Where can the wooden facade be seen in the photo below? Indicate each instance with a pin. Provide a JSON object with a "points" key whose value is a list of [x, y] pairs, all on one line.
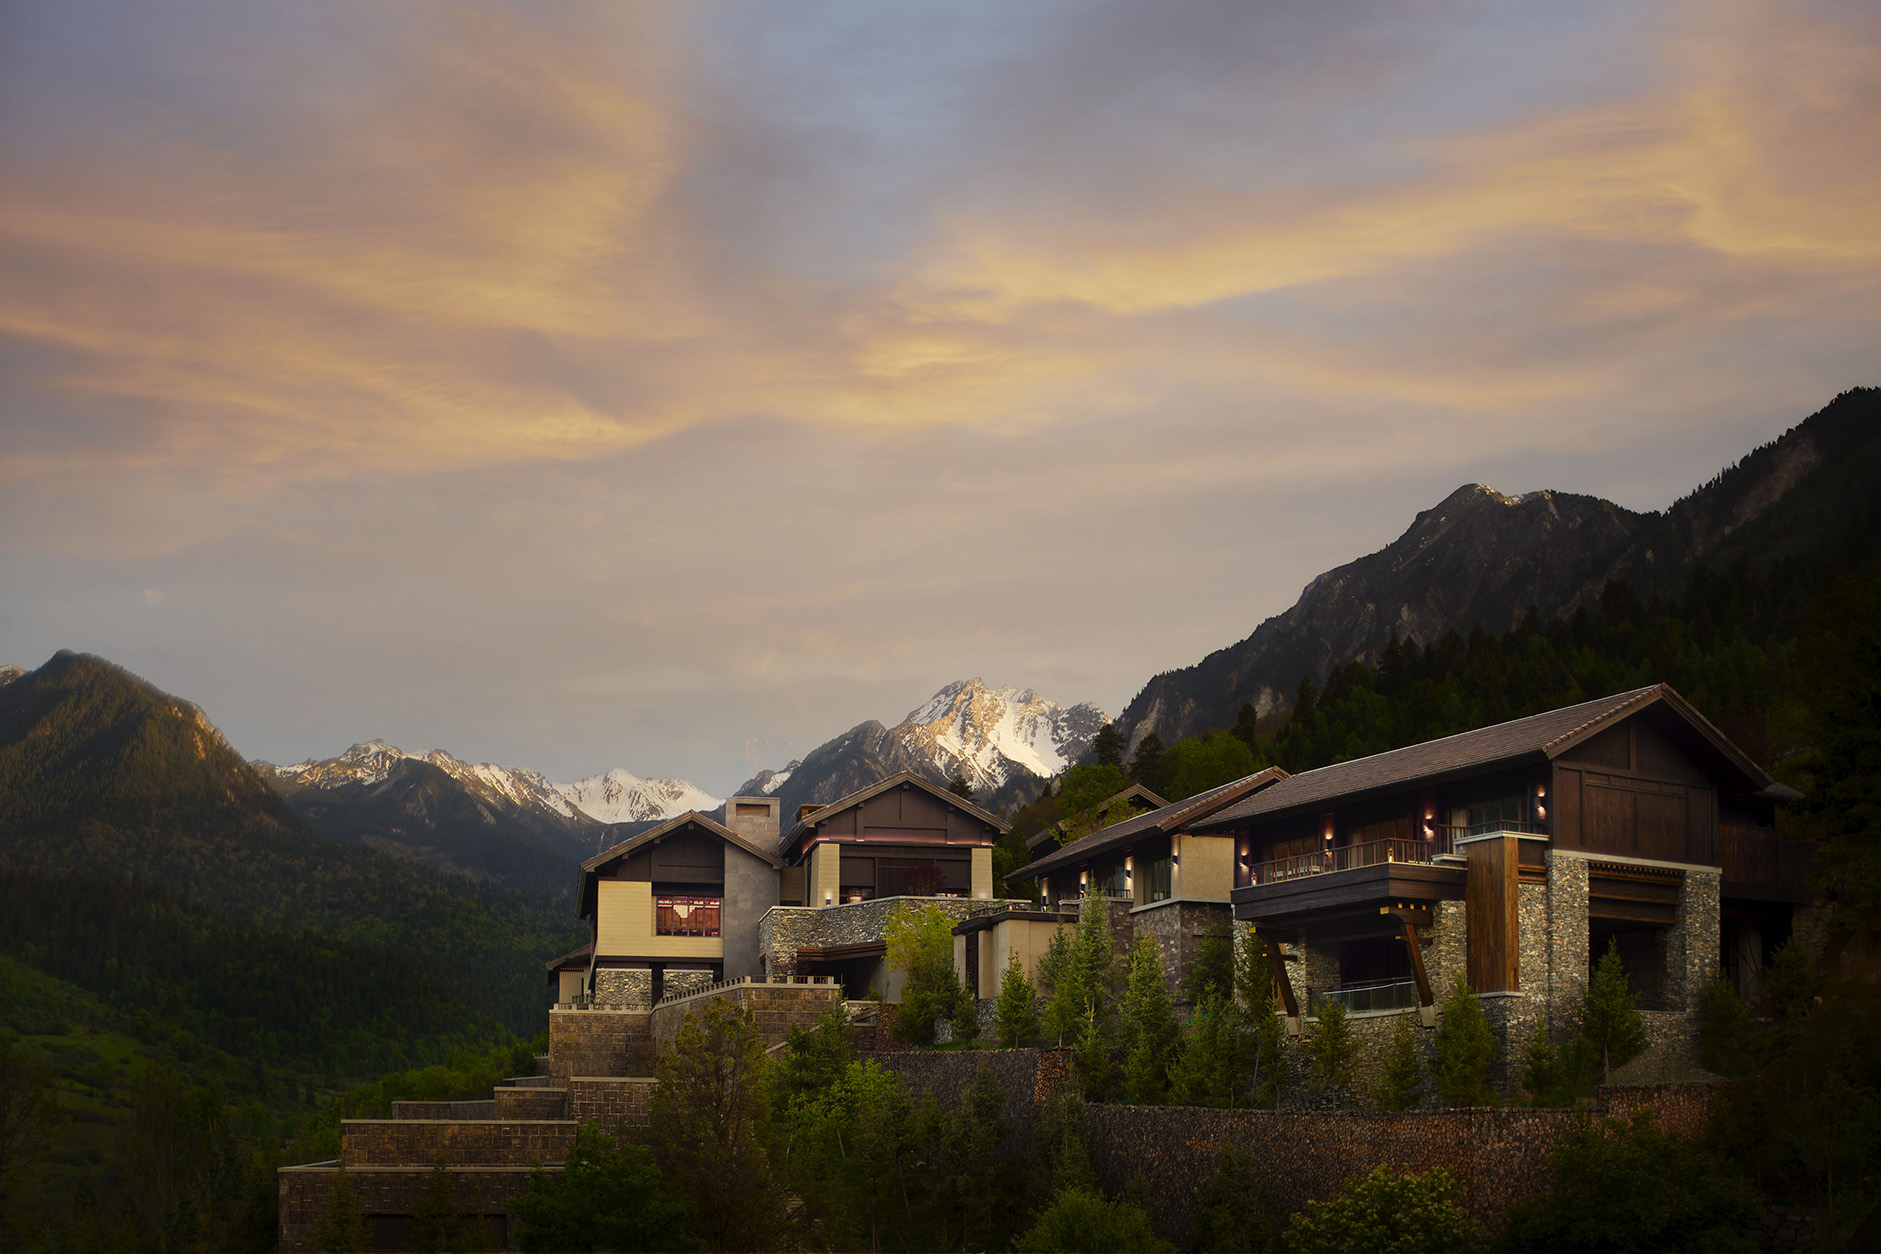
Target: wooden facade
{"points": [[1638, 786]]}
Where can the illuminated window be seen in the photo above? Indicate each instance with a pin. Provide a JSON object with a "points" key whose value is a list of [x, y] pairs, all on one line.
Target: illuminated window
{"points": [[685, 916]]}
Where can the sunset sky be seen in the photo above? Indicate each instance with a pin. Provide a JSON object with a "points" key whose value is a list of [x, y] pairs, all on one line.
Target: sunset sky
{"points": [[673, 387]]}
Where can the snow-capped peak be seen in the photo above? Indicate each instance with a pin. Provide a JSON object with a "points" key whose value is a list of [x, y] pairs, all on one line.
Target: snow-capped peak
{"points": [[620, 796], [989, 734], [616, 797]]}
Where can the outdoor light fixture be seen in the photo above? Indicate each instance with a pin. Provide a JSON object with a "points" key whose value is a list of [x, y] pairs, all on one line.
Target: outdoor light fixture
{"points": [[827, 897]]}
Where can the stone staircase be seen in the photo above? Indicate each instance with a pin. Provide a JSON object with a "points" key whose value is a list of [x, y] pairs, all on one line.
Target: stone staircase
{"points": [[599, 1070]]}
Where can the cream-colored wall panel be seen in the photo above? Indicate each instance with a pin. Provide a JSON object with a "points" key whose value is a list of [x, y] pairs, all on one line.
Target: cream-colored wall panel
{"points": [[982, 872], [1207, 867], [624, 926]]}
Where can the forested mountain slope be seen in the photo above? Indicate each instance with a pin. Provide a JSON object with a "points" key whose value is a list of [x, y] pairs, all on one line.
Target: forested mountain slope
{"points": [[1480, 558], [102, 774]]}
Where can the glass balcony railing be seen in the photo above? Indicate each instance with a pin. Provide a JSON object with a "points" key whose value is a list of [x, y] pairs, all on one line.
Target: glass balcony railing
{"points": [[1401, 995]]}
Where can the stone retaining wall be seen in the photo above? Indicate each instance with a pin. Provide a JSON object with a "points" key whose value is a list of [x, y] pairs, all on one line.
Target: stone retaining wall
{"points": [[443, 1110], [615, 1104], [775, 1008], [1499, 1156], [387, 1191], [599, 1042], [421, 1142], [529, 1103]]}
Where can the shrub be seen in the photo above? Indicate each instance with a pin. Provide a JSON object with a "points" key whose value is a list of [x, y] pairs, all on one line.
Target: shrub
{"points": [[1234, 1218], [1727, 1034], [1465, 1048], [1627, 1187], [1084, 1222], [920, 944], [1385, 1213], [606, 1197]]}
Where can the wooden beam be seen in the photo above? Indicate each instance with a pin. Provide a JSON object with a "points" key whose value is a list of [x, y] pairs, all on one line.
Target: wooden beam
{"points": [[1424, 995], [1282, 984]]}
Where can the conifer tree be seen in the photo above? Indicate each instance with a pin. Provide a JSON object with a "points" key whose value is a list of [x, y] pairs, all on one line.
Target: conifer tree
{"points": [[1610, 1021], [1465, 1048], [1152, 1038], [1058, 970], [1332, 1048], [1016, 1017], [341, 1228], [1090, 1059], [1217, 1063], [1402, 1071]]}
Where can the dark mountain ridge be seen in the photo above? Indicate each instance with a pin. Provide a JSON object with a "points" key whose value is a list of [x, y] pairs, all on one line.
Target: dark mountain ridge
{"points": [[1481, 558]]}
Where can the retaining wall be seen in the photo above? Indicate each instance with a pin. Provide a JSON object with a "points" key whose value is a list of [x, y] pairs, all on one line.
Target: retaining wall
{"points": [[389, 1191], [1498, 1156], [599, 1042], [775, 1008], [615, 1104], [421, 1142]]}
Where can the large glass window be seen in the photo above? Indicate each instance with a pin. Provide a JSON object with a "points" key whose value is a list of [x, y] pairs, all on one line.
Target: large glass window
{"points": [[1159, 880], [1499, 814], [685, 916]]}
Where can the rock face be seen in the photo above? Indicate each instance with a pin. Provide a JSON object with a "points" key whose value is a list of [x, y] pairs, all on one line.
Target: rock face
{"points": [[993, 736], [1480, 557], [841, 765], [1006, 742], [1477, 557]]}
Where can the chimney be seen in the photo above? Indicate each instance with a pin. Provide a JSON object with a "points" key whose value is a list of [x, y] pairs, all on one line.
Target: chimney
{"points": [[755, 818]]}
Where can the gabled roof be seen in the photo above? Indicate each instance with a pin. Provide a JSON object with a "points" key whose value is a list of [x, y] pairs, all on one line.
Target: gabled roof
{"points": [[1170, 818], [652, 835], [1540, 736], [556, 964], [954, 799], [1135, 792]]}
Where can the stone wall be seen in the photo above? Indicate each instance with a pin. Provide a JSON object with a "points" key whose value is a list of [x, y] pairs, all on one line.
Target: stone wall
{"points": [[623, 988], [615, 1104], [1178, 928], [785, 929], [420, 1142], [776, 1008], [443, 1110], [599, 1042], [1499, 1156], [387, 1191], [529, 1103]]}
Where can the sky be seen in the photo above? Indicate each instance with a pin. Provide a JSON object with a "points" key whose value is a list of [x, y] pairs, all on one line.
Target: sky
{"points": [[673, 387]]}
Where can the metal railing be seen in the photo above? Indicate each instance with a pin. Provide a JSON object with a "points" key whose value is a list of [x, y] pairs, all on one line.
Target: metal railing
{"points": [[1399, 995], [1350, 857], [1515, 826]]}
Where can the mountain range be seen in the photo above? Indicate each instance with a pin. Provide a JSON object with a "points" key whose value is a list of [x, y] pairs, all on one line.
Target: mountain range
{"points": [[1481, 558]]}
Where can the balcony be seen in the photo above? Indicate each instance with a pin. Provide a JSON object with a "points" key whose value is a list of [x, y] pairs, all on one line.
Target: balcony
{"points": [[1351, 857], [1368, 998]]}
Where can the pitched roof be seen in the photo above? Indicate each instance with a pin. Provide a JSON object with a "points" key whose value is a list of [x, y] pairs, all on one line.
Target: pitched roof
{"points": [[674, 824], [954, 799], [1548, 734], [1135, 792], [585, 903], [1169, 818]]}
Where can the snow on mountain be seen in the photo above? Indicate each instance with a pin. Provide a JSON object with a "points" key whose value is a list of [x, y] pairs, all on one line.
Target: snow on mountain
{"points": [[623, 797], [616, 797], [767, 782], [990, 735]]}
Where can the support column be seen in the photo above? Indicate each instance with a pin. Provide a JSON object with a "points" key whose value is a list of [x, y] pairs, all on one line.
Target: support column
{"points": [[1490, 901]]}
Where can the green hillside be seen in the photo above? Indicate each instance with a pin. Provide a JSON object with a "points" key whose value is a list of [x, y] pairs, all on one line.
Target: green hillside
{"points": [[102, 775]]}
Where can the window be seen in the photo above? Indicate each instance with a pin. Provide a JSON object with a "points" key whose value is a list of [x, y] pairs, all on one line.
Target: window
{"points": [[1491, 816], [685, 916], [1159, 880]]}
